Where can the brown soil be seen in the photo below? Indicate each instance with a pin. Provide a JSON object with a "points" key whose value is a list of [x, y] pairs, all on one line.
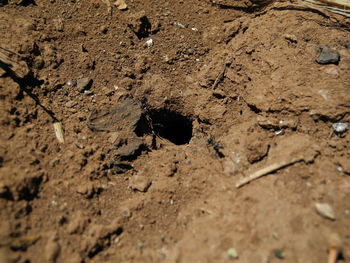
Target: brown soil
{"points": [[158, 138]]}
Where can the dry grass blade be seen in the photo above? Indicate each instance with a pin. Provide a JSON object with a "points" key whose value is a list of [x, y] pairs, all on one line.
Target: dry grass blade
{"points": [[341, 7]]}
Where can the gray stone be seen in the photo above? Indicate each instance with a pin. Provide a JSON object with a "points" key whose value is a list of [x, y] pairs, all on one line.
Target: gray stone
{"points": [[328, 56], [83, 84]]}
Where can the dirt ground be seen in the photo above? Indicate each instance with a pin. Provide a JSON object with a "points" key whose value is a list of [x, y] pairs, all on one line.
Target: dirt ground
{"points": [[166, 106]]}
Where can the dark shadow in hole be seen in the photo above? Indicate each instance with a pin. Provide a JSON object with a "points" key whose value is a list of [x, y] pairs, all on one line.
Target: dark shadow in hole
{"points": [[171, 126], [4, 2], [249, 10], [27, 2], [167, 124]]}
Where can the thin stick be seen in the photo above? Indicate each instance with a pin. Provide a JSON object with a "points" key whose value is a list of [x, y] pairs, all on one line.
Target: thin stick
{"points": [[219, 78], [6, 64], [266, 170], [333, 255]]}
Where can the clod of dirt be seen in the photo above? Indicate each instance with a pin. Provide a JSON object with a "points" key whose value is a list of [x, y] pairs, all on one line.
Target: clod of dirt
{"points": [[100, 237], [52, 250], [139, 183], [20, 186], [130, 148], [328, 56], [78, 224], [277, 124], [257, 150], [84, 84], [20, 243], [8, 256], [142, 26], [88, 190]]}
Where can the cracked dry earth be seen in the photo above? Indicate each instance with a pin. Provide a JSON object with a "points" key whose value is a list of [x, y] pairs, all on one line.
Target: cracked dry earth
{"points": [[158, 135]]}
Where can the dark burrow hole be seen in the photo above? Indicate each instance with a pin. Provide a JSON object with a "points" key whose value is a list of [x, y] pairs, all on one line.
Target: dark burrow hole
{"points": [[167, 124]]}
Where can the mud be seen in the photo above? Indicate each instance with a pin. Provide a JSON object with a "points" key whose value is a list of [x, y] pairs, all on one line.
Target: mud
{"points": [[158, 135]]}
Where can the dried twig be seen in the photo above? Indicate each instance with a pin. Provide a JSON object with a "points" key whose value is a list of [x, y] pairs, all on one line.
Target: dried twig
{"points": [[266, 170], [335, 247], [19, 72], [219, 78]]}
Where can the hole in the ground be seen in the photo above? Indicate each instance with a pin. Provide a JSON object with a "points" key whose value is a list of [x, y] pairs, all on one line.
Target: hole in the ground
{"points": [[166, 124]]}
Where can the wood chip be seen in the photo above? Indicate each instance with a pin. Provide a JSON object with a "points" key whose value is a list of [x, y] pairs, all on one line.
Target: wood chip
{"points": [[59, 131]]}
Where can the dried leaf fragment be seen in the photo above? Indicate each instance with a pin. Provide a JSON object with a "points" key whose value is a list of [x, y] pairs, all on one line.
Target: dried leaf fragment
{"points": [[59, 131]]}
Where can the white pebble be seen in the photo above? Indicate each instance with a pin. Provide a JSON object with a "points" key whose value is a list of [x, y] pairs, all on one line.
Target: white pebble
{"points": [[149, 43], [340, 127]]}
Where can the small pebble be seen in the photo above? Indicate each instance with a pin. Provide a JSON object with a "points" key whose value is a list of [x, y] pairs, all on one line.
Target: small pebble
{"points": [[291, 38], [325, 210], [328, 56], [180, 25], [278, 253], [71, 82], [149, 43], [83, 84], [232, 253], [340, 127], [280, 132]]}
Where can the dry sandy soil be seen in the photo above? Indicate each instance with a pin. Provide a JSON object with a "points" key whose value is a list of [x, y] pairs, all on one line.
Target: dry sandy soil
{"points": [[158, 135]]}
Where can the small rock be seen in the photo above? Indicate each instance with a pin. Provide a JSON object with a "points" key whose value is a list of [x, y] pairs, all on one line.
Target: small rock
{"points": [[180, 25], [88, 190], [232, 253], [103, 29], [328, 56], [84, 84], [325, 210], [139, 183], [71, 104], [279, 132], [121, 5], [126, 213], [340, 127], [78, 224], [291, 38], [278, 253], [149, 43], [332, 70], [71, 82]]}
